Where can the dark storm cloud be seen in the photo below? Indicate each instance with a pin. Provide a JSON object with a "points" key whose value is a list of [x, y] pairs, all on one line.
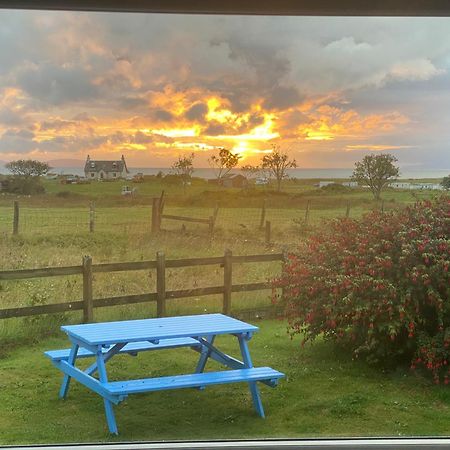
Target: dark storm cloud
{"points": [[132, 102], [281, 97], [196, 112], [11, 118], [21, 141], [142, 138], [83, 117], [161, 115], [56, 124], [72, 143], [57, 85], [255, 120], [214, 129]]}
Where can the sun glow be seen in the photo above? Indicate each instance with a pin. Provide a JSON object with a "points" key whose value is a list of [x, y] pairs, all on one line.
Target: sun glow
{"points": [[177, 132]]}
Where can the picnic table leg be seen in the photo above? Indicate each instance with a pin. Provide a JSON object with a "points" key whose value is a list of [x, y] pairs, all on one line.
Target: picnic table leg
{"points": [[66, 380], [205, 353], [257, 403], [110, 418]]}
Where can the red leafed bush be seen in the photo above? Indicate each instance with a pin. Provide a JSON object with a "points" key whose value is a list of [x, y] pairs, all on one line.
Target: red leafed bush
{"points": [[379, 285]]}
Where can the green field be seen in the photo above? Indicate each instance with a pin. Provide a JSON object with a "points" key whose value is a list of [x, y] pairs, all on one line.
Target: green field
{"points": [[65, 208], [325, 393]]}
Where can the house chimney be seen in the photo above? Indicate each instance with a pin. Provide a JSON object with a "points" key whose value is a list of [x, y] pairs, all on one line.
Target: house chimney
{"points": [[88, 158]]}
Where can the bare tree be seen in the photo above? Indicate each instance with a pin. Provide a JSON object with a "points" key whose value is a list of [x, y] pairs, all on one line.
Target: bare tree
{"points": [[224, 162], [376, 171], [276, 163], [184, 168]]}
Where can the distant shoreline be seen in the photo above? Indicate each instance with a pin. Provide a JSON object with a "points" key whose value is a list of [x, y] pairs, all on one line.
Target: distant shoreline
{"points": [[299, 173]]}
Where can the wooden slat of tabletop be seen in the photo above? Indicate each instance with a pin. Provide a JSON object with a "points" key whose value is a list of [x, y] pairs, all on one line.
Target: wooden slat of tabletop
{"points": [[155, 329]]}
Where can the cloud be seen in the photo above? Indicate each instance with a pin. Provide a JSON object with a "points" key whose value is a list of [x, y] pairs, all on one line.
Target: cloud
{"points": [[82, 81], [196, 112], [20, 141], [56, 85], [418, 69], [10, 117], [376, 147]]}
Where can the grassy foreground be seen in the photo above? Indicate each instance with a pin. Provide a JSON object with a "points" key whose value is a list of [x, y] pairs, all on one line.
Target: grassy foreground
{"points": [[324, 393]]}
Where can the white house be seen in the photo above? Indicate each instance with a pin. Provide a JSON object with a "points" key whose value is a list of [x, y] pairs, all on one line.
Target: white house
{"points": [[400, 185], [105, 170], [350, 184], [325, 183], [430, 186]]}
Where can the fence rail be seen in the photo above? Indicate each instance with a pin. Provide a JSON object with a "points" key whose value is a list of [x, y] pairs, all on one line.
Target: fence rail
{"points": [[87, 269]]}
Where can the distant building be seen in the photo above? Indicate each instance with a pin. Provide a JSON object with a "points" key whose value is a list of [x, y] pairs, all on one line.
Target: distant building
{"points": [[350, 184], [400, 185], [325, 183], [261, 181], [105, 170], [230, 180], [430, 186], [233, 180]]}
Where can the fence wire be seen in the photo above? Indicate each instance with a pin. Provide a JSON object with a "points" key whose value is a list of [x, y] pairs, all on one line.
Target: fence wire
{"points": [[137, 219]]}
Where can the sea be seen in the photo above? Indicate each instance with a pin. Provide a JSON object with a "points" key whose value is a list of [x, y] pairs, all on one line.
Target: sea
{"points": [[300, 173]]}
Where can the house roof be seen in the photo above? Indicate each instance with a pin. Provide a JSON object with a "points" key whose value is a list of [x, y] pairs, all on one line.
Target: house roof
{"points": [[230, 176], [106, 166]]}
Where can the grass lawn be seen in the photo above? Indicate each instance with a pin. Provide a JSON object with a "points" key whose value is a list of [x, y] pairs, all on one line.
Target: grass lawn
{"points": [[324, 393]]}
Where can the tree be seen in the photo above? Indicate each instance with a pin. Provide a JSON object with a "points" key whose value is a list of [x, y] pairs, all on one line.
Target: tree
{"points": [[224, 162], [446, 183], [27, 167], [376, 171], [184, 168], [277, 163], [251, 171]]}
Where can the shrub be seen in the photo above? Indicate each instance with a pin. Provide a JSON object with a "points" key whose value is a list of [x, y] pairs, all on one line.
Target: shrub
{"points": [[378, 285], [336, 188], [24, 185]]}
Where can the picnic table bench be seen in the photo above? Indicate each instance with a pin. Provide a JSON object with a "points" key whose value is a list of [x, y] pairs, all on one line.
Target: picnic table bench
{"points": [[104, 340]]}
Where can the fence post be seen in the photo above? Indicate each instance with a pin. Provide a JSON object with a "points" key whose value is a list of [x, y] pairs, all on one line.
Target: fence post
{"points": [[227, 281], [263, 215], [16, 218], [162, 202], [88, 307], [284, 260], [160, 284], [267, 232], [156, 216], [211, 226], [307, 212], [382, 206], [215, 213], [91, 217], [347, 211]]}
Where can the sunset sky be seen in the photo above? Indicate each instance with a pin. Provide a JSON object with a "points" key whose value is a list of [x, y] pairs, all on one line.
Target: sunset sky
{"points": [[153, 87]]}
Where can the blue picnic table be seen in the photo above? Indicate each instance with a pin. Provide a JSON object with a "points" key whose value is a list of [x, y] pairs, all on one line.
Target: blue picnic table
{"points": [[104, 340]]}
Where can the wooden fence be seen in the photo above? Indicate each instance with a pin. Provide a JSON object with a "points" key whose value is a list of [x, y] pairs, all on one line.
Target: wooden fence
{"points": [[87, 269]]}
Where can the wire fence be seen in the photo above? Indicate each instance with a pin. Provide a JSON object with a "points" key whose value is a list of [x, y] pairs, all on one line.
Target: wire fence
{"points": [[138, 219]]}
